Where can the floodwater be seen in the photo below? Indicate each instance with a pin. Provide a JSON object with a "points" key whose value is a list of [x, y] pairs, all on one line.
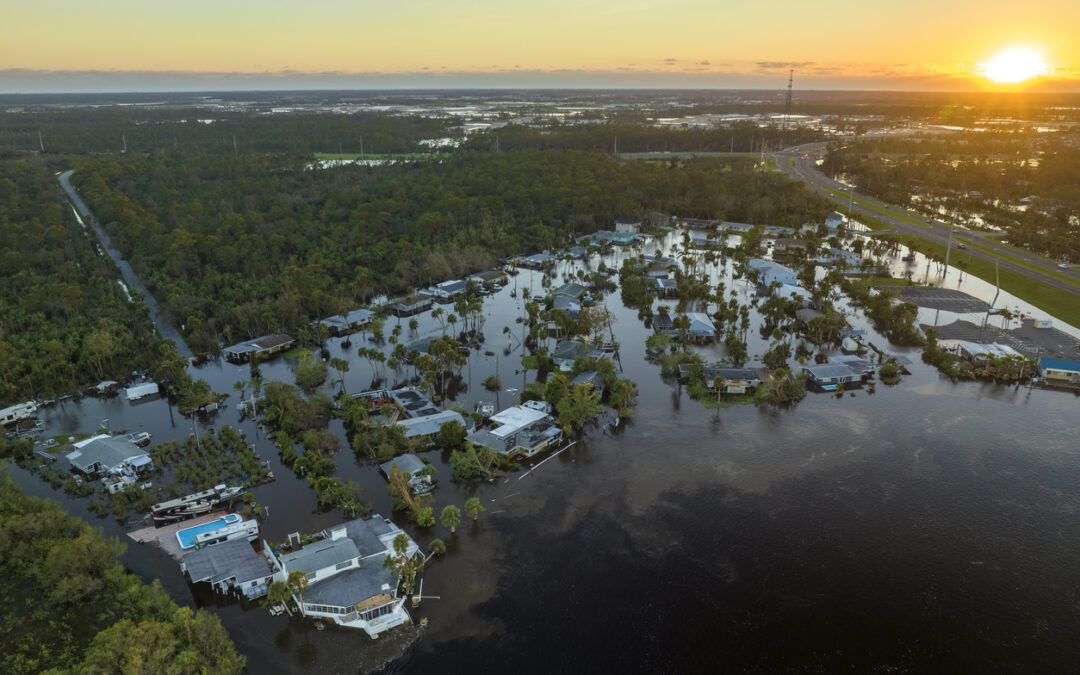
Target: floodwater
{"points": [[927, 526]]}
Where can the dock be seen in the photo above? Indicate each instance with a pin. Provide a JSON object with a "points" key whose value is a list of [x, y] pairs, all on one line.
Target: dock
{"points": [[165, 536]]}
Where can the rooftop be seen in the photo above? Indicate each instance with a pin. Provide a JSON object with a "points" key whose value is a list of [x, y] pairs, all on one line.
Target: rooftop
{"points": [[353, 586], [109, 452], [512, 419], [409, 463], [320, 555], [233, 559]]}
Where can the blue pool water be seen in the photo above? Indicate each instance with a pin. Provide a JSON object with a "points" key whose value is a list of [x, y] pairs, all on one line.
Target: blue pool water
{"points": [[187, 536]]}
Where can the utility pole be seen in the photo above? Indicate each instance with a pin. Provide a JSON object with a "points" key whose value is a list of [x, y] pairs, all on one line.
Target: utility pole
{"points": [[948, 248]]}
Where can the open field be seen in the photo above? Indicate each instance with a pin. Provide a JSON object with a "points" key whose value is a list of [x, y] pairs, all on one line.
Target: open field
{"points": [[1061, 276]]}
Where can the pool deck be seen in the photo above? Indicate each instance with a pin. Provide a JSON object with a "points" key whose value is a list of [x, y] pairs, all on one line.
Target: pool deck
{"points": [[165, 537]]}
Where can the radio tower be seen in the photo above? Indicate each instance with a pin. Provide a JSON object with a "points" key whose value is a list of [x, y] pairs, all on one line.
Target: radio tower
{"points": [[787, 103]]}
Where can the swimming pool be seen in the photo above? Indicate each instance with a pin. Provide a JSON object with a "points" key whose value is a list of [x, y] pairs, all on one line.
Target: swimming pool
{"points": [[186, 537]]}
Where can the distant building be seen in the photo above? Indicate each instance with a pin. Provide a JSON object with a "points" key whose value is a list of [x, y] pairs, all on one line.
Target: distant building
{"points": [[829, 376], [414, 304], [701, 327], [262, 347], [627, 226], [834, 220], [770, 271], [449, 290], [1060, 371]]}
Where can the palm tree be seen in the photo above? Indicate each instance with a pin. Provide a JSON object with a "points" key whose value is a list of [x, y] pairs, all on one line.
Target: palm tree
{"points": [[450, 517], [297, 583], [341, 366], [278, 594], [473, 507]]}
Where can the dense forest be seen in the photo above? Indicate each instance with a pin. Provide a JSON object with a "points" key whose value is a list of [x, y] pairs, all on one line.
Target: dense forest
{"points": [[1025, 183], [88, 131], [234, 247], [69, 605], [66, 321], [741, 136]]}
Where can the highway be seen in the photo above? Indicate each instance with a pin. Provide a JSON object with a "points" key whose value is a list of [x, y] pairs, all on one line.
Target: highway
{"points": [[807, 171]]}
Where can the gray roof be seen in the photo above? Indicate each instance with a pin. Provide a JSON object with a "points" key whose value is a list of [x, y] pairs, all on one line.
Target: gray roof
{"points": [[409, 463], [359, 315], [570, 289], [349, 588], [428, 425], [827, 371], [365, 534], [807, 314], [455, 286], [592, 377], [856, 363], [321, 554], [109, 452], [565, 303], [233, 559], [571, 350], [413, 401]]}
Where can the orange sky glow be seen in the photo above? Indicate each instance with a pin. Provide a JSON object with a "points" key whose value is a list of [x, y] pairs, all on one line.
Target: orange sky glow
{"points": [[920, 45]]}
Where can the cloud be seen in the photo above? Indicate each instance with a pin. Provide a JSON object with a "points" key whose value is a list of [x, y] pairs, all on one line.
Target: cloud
{"points": [[782, 65], [703, 62], [670, 61]]}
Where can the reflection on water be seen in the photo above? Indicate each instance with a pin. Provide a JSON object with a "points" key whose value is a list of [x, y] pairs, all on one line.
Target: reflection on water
{"points": [[928, 526]]}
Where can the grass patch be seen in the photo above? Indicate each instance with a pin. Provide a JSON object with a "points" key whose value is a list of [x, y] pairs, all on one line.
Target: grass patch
{"points": [[877, 208], [1060, 276], [296, 353], [872, 224], [1000, 239], [1051, 300], [791, 162]]}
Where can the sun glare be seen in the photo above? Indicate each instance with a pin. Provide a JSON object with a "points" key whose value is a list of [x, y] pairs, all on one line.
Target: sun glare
{"points": [[1014, 65]]}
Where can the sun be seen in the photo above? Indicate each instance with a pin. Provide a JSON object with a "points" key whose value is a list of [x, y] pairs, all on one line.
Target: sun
{"points": [[1014, 65]]}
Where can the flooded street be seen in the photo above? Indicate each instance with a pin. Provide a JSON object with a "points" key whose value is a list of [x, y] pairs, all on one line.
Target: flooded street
{"points": [[930, 525]]}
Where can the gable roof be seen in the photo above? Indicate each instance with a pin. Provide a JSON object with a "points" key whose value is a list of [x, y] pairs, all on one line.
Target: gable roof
{"points": [[232, 559], [320, 555], [110, 452]]}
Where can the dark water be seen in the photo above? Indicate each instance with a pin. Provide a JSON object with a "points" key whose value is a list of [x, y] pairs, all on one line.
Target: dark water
{"points": [[930, 526]]}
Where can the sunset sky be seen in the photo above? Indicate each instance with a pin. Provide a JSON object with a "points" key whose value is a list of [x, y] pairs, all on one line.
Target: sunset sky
{"points": [[60, 45]]}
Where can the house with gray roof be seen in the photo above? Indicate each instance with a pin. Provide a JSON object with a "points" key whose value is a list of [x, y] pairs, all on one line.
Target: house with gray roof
{"points": [[348, 582], [830, 376], [568, 351], [518, 431], [589, 378], [108, 454], [230, 567], [262, 347]]}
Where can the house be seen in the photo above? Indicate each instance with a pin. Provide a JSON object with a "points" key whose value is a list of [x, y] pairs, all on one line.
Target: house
{"points": [[701, 328], [427, 426], [834, 220], [135, 392], [829, 376], [520, 430], [448, 290], [785, 246], [736, 380], [590, 378], [857, 364], [535, 261], [578, 252], [568, 351], [230, 567], [806, 315], [770, 271], [627, 226], [344, 323], [1060, 371], [107, 454], [665, 287], [566, 304], [260, 347], [347, 581], [615, 238], [485, 276], [413, 304], [407, 463], [571, 289]]}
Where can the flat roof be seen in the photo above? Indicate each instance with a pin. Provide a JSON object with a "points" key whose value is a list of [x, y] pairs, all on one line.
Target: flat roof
{"points": [[513, 419], [428, 425]]}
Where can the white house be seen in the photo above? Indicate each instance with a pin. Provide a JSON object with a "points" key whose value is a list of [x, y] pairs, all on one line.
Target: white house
{"points": [[627, 226], [770, 271]]}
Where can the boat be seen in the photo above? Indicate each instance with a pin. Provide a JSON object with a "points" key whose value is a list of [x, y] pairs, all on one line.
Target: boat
{"points": [[197, 504], [141, 438]]}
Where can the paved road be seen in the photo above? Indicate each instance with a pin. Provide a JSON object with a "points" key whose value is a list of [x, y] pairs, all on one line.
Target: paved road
{"points": [[806, 171], [165, 329]]}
